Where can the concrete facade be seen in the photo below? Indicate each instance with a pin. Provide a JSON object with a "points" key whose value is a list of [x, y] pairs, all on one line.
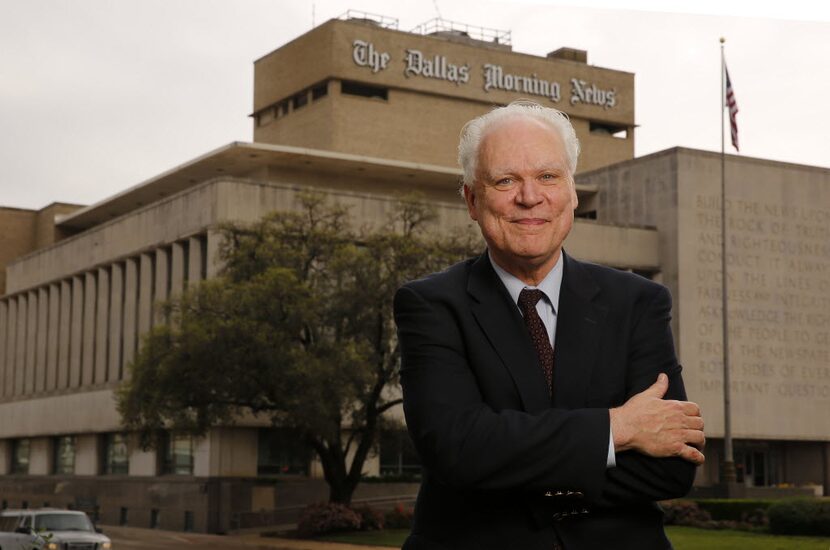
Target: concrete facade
{"points": [[778, 284], [81, 285], [385, 91]]}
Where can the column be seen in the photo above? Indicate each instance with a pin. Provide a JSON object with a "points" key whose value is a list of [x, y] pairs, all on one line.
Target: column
{"points": [[177, 268], [115, 323], [11, 341], [88, 343], [76, 332], [40, 456], [162, 283], [87, 455], [5, 456], [102, 311], [20, 346], [64, 332], [52, 337], [214, 264], [41, 334], [145, 295], [4, 312], [195, 259], [31, 341], [130, 315]]}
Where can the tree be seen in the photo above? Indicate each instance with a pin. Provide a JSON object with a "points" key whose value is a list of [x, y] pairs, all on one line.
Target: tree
{"points": [[297, 326]]}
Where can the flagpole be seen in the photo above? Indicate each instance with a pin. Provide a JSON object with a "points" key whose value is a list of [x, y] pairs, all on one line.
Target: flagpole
{"points": [[728, 471]]}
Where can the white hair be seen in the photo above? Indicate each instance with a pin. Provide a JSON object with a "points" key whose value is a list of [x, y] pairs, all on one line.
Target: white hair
{"points": [[475, 130]]}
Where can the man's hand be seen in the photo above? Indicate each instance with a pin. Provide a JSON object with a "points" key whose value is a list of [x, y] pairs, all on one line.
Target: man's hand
{"points": [[648, 424]]}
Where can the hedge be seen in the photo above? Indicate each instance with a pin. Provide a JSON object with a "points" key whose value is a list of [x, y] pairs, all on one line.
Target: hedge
{"points": [[800, 517], [732, 509]]}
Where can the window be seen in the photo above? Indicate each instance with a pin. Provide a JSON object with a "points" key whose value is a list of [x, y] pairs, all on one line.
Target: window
{"points": [[601, 128], [281, 451], [282, 109], [177, 454], [64, 455], [319, 91], [154, 518], [123, 516], [188, 520], [299, 100], [115, 459], [397, 454], [364, 90], [20, 456]]}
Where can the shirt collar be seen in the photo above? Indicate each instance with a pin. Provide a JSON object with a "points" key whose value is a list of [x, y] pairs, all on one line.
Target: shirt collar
{"points": [[550, 285]]}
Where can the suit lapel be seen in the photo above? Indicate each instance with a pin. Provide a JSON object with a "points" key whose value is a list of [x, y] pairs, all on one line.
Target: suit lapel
{"points": [[501, 322], [578, 326]]}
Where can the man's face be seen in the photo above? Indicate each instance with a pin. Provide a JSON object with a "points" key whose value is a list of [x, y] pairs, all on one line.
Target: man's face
{"points": [[523, 198]]}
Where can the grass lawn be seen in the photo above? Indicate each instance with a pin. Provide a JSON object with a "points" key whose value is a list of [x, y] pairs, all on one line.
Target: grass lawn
{"points": [[689, 538], [683, 538]]}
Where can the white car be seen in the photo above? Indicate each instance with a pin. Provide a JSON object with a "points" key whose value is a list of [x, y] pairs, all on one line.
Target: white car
{"points": [[52, 529]]}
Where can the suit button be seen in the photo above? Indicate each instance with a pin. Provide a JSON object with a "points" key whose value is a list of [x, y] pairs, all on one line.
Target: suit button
{"points": [[559, 493], [578, 494], [548, 494]]}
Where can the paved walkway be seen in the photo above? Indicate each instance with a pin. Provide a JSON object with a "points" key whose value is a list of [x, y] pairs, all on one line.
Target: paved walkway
{"points": [[295, 544], [132, 538]]}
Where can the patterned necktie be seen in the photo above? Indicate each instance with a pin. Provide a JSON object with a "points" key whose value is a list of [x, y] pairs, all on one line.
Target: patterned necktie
{"points": [[538, 333]]}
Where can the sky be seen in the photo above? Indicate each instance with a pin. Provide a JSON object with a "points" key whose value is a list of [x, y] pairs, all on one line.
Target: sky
{"points": [[100, 95]]}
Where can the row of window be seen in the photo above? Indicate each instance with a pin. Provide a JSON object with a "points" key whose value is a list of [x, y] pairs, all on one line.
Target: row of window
{"points": [[279, 452], [175, 455], [314, 93]]}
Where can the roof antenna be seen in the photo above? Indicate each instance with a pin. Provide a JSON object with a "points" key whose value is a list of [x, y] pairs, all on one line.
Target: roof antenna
{"points": [[435, 3]]}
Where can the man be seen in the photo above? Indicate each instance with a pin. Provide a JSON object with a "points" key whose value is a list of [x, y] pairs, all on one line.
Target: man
{"points": [[542, 393]]}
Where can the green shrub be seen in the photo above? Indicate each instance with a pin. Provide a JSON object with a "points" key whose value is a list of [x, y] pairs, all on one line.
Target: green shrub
{"points": [[328, 517], [684, 512], [800, 517], [370, 519], [733, 509], [399, 517]]}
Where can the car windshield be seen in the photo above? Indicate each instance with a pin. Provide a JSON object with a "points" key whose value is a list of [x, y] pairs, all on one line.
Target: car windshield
{"points": [[63, 522]]}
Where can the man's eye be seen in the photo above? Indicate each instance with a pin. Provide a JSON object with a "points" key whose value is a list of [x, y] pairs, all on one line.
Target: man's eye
{"points": [[548, 177], [504, 181]]}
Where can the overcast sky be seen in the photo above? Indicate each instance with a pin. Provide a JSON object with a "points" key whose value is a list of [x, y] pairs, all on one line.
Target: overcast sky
{"points": [[99, 95]]}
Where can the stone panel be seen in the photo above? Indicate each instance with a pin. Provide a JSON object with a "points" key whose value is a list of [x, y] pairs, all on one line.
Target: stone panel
{"points": [[130, 314], [41, 332], [31, 343], [53, 337], [64, 333], [88, 342], [76, 332], [116, 323]]}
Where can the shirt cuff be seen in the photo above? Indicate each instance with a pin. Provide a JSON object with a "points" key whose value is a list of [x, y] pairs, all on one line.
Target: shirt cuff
{"points": [[611, 461]]}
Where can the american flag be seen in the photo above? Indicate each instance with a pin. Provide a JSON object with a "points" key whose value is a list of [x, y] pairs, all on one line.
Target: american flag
{"points": [[733, 109]]}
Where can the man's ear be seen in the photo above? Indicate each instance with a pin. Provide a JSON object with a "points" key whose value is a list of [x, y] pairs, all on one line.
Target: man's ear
{"points": [[470, 199], [574, 196]]}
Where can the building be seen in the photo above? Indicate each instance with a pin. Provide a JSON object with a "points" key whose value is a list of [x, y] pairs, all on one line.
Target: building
{"points": [[363, 111]]}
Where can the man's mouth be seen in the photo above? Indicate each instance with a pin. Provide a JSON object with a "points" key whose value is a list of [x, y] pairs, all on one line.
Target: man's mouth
{"points": [[530, 221]]}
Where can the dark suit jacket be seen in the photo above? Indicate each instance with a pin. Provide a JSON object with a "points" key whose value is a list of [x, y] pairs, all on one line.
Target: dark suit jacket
{"points": [[504, 465]]}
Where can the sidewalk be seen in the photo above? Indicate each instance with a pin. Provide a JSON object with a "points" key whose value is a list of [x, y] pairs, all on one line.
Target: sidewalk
{"points": [[296, 544]]}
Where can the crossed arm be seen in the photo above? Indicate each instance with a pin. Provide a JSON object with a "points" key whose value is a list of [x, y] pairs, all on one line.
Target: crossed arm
{"points": [[466, 443]]}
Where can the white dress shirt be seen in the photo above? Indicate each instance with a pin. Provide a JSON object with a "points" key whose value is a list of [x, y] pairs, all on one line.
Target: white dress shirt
{"points": [[546, 308]]}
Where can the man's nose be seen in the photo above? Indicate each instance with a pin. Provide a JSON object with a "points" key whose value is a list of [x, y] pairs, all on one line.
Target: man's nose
{"points": [[528, 193]]}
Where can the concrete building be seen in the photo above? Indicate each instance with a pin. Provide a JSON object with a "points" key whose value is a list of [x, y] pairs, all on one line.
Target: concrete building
{"points": [[362, 112]]}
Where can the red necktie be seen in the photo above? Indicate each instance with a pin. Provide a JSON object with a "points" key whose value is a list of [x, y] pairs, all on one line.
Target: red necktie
{"points": [[538, 333]]}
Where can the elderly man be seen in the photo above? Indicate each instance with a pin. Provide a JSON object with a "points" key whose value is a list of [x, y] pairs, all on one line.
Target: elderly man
{"points": [[542, 393]]}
